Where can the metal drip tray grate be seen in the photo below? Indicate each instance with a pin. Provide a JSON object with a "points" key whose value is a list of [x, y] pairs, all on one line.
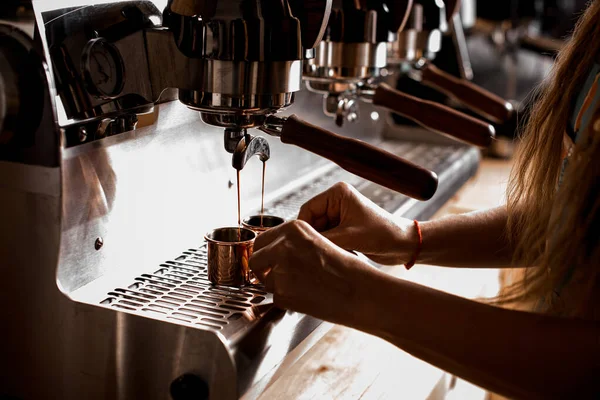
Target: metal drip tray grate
{"points": [[179, 290]]}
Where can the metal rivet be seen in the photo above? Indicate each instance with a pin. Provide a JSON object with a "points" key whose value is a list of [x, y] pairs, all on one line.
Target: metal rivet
{"points": [[99, 243], [597, 125]]}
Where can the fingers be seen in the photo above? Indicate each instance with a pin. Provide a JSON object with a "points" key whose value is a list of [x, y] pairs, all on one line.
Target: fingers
{"points": [[321, 223], [269, 236], [315, 211], [270, 248], [323, 211], [260, 264], [269, 281]]}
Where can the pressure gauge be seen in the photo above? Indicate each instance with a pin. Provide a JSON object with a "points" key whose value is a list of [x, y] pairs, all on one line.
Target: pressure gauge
{"points": [[103, 69]]}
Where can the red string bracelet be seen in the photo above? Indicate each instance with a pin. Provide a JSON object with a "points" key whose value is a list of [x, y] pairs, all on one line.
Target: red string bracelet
{"points": [[415, 256]]}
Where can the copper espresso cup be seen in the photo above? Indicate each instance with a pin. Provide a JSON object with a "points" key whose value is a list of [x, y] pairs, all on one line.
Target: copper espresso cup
{"points": [[268, 222], [229, 250]]}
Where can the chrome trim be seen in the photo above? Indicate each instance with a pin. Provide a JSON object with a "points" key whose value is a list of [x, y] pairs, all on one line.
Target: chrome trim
{"points": [[347, 62], [413, 45]]}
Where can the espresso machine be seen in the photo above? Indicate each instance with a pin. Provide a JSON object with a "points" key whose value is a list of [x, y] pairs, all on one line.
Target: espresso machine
{"points": [[122, 126]]}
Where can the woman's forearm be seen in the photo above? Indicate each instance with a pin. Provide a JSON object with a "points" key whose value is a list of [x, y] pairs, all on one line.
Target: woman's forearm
{"points": [[518, 354], [472, 240]]}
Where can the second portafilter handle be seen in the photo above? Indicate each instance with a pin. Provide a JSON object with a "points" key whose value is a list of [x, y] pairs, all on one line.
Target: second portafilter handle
{"points": [[356, 156], [478, 99], [435, 117]]}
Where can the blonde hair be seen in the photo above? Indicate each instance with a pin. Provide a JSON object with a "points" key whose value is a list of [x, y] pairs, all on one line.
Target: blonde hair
{"points": [[551, 228]]}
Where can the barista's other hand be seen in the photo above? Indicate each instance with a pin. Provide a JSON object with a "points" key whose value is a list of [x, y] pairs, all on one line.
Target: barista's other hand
{"points": [[353, 222], [307, 273]]}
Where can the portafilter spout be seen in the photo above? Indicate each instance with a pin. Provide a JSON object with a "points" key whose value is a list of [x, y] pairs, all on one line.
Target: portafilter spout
{"points": [[244, 146]]}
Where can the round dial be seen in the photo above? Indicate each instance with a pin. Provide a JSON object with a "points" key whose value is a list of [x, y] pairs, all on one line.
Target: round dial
{"points": [[103, 69]]}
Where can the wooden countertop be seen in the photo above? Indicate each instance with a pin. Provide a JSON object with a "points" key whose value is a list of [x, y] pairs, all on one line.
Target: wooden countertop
{"points": [[348, 364]]}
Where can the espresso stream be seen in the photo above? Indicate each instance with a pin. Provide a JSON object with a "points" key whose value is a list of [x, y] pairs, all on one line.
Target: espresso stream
{"points": [[262, 201], [239, 208]]}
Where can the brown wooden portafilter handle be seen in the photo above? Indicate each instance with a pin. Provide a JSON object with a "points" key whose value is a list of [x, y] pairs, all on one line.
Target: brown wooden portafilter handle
{"points": [[435, 117], [485, 103], [362, 159]]}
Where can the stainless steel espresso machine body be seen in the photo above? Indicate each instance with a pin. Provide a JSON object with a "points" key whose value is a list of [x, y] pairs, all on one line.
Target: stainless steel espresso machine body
{"points": [[108, 184]]}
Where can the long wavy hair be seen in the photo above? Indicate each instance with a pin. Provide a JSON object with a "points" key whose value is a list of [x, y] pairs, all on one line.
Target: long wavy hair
{"points": [[553, 228]]}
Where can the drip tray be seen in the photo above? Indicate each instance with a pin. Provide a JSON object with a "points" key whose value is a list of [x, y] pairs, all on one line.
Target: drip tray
{"points": [[179, 290]]}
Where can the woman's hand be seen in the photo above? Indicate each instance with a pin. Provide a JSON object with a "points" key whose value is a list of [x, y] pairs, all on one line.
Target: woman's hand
{"points": [[353, 222], [308, 273]]}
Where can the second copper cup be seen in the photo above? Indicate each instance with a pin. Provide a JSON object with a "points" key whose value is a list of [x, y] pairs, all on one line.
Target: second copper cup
{"points": [[258, 225]]}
